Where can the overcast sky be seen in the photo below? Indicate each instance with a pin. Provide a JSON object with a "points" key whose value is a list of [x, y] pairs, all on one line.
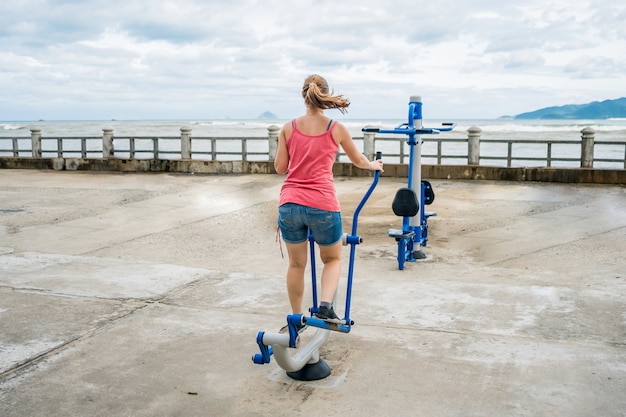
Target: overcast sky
{"points": [[210, 59]]}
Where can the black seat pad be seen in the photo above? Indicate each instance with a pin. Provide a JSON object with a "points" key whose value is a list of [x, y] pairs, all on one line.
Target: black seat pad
{"points": [[405, 203]]}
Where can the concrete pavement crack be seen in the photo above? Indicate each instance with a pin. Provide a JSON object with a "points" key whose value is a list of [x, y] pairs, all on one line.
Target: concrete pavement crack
{"points": [[101, 326]]}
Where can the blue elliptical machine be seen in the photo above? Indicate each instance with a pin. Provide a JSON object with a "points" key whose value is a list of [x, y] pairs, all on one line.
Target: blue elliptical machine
{"points": [[303, 362], [406, 203]]}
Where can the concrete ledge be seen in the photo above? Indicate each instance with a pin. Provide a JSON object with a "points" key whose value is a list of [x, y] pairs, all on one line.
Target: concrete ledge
{"points": [[561, 175], [463, 172], [139, 165]]}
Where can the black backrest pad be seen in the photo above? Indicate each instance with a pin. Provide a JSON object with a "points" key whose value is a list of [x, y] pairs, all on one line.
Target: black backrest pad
{"points": [[429, 193], [405, 203]]}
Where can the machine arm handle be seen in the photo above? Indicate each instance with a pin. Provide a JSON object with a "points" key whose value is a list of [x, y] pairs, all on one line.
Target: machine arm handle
{"points": [[379, 155], [404, 129]]}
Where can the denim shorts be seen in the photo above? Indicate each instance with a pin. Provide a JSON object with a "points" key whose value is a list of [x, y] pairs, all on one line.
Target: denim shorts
{"points": [[295, 220]]}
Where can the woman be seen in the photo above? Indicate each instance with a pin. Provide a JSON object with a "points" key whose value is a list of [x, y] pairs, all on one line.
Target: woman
{"points": [[307, 148]]}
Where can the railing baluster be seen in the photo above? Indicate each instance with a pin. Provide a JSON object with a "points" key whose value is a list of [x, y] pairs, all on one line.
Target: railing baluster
{"points": [[439, 152], [509, 154], [549, 156]]}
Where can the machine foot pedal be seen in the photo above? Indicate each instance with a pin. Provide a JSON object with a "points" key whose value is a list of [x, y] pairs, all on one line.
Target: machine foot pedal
{"points": [[399, 234]]}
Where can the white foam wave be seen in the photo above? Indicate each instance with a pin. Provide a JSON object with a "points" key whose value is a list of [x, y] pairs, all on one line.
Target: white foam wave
{"points": [[577, 127], [10, 126], [258, 127]]}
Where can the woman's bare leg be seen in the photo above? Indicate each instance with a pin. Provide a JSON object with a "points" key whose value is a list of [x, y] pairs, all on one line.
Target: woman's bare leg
{"points": [[331, 257], [295, 274]]}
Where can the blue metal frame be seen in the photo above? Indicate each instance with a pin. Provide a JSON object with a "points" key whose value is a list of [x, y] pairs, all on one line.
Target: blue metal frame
{"points": [[414, 230], [352, 239], [266, 351]]}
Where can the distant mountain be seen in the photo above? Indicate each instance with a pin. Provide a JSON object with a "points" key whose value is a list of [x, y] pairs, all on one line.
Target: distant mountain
{"points": [[607, 109], [268, 115]]}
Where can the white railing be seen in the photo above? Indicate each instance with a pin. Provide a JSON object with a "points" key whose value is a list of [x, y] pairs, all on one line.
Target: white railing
{"points": [[436, 150]]}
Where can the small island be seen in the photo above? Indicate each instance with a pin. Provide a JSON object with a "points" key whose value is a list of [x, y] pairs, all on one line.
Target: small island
{"points": [[268, 115]]}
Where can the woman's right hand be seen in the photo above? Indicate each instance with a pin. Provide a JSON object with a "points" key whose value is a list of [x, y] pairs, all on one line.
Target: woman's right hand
{"points": [[377, 165]]}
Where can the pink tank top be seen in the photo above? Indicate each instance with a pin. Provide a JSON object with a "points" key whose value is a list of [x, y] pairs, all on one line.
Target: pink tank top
{"points": [[309, 180]]}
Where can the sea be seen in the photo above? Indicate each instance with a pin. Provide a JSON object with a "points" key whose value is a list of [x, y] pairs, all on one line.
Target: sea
{"points": [[609, 130]]}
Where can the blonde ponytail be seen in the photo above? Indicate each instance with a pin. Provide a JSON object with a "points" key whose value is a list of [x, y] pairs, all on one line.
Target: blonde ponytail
{"points": [[317, 95]]}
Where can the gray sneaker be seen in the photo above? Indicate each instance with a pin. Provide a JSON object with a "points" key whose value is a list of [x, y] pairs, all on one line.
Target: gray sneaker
{"points": [[328, 314]]}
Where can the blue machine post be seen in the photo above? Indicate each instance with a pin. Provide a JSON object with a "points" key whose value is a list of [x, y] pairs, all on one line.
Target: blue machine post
{"points": [[414, 232], [418, 223]]}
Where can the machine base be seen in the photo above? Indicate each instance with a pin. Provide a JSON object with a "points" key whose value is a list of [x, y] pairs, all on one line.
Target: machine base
{"points": [[311, 371]]}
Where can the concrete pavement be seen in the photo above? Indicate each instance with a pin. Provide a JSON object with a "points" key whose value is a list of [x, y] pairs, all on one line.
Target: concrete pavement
{"points": [[142, 294]]}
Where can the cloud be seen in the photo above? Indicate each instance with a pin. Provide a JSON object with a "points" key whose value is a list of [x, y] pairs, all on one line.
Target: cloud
{"points": [[132, 59]]}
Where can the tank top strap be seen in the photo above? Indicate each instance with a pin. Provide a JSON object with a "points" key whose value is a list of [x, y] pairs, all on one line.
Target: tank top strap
{"points": [[329, 125]]}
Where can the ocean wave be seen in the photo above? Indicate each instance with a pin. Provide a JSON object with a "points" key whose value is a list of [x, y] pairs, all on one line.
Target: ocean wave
{"points": [[369, 123], [254, 127], [538, 128], [248, 124], [10, 126]]}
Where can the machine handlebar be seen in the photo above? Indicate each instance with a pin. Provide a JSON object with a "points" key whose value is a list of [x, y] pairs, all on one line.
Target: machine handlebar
{"points": [[404, 129]]}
